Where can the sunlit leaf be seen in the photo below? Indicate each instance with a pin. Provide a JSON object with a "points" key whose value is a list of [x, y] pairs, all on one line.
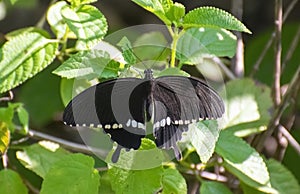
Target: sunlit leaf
{"points": [[11, 183], [173, 182]]}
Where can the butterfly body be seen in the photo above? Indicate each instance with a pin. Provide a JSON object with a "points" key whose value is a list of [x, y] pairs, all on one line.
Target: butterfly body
{"points": [[123, 106]]}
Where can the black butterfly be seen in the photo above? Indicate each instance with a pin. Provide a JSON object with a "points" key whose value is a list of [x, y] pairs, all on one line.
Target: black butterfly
{"points": [[122, 107]]}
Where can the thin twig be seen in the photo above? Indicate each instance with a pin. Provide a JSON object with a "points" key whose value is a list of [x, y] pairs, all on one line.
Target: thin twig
{"points": [[8, 98], [271, 39], [291, 91], [294, 144], [237, 64]]}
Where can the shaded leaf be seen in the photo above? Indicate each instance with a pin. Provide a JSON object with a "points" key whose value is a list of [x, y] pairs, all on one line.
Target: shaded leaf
{"points": [[213, 17], [74, 174], [105, 185], [40, 157], [11, 183], [23, 118], [247, 107], [173, 182], [126, 47], [24, 56], [243, 161], [197, 43], [173, 71], [88, 23], [213, 187], [77, 3]]}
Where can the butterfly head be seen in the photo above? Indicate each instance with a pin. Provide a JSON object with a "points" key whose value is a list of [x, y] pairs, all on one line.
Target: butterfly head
{"points": [[148, 74]]}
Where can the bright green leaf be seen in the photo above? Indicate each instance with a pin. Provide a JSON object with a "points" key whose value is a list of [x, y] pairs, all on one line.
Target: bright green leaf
{"points": [[135, 181], [146, 157], [4, 137], [69, 88], [157, 7], [203, 136], [281, 178], [243, 161], [213, 17], [40, 157], [24, 56], [213, 187], [56, 21], [88, 23], [197, 43], [74, 174], [173, 182], [6, 114], [105, 185], [173, 71], [11, 183], [87, 64], [247, 106]]}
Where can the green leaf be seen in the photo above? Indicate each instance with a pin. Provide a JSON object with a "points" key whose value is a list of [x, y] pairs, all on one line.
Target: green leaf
{"points": [[77, 3], [88, 65], [173, 71], [69, 88], [11, 183], [281, 178], [213, 187], [176, 13], [40, 157], [88, 23], [147, 156], [203, 136], [24, 56], [173, 182], [135, 181], [4, 137], [23, 118], [7, 115], [105, 184], [74, 174], [247, 107], [55, 19], [243, 161], [157, 7], [214, 18], [127, 51], [197, 43], [151, 46]]}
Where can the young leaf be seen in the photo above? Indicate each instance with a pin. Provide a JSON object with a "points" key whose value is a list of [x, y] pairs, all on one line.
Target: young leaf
{"points": [[247, 106], [281, 178], [157, 7], [175, 13], [55, 19], [203, 136], [88, 23], [197, 43], [213, 187], [23, 56], [40, 157], [212, 17], [88, 64], [4, 137], [11, 183], [243, 161], [173, 182], [74, 174]]}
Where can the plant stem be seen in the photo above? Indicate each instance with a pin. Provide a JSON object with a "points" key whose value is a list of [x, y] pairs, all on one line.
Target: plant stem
{"points": [[173, 47]]}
